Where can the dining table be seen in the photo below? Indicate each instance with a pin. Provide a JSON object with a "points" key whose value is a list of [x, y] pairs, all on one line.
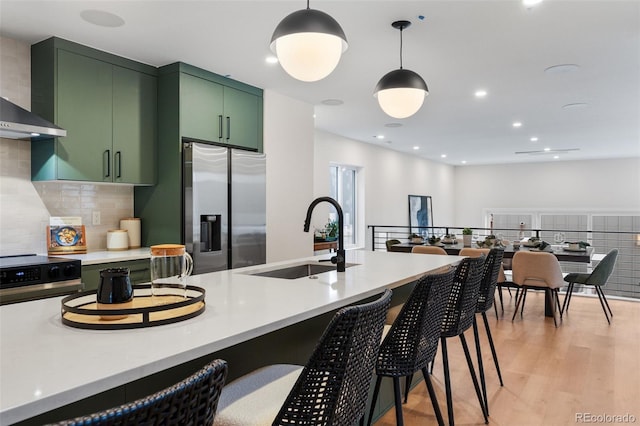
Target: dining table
{"points": [[562, 253]]}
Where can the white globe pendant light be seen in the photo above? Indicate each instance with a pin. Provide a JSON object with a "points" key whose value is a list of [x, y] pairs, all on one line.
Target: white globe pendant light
{"points": [[401, 92], [308, 44]]}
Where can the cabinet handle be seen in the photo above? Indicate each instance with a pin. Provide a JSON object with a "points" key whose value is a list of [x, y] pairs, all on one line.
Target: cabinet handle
{"points": [[118, 164], [107, 154], [220, 127], [228, 127]]}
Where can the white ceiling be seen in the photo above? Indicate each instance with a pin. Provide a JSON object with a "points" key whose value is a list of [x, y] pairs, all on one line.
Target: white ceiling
{"points": [[459, 47]]}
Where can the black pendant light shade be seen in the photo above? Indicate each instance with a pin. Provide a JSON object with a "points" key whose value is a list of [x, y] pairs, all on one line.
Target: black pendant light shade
{"points": [[309, 44], [401, 92], [401, 78]]}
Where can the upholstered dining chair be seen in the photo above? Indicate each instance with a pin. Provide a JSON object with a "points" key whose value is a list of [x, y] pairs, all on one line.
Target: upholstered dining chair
{"points": [[412, 340], [597, 278], [331, 389], [458, 317], [486, 296], [193, 401], [538, 271], [392, 242], [428, 250]]}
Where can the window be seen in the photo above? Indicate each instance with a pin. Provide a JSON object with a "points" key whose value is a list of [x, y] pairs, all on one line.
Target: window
{"points": [[342, 188]]}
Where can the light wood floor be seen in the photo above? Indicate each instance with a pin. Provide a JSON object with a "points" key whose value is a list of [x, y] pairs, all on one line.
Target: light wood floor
{"points": [[550, 375]]}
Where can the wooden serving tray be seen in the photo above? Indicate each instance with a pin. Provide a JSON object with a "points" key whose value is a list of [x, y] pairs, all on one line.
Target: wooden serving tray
{"points": [[81, 310]]}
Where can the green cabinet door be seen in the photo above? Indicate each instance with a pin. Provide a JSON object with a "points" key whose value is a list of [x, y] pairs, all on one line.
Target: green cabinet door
{"points": [[201, 108], [242, 118], [134, 126], [84, 106]]}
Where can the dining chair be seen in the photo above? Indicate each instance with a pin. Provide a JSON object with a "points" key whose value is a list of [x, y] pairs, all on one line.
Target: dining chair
{"points": [[331, 389], [193, 401], [597, 278], [411, 341], [392, 242], [458, 317], [491, 271], [537, 271], [428, 250]]}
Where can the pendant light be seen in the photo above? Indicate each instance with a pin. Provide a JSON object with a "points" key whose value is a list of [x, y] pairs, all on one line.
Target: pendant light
{"points": [[401, 92], [308, 44]]}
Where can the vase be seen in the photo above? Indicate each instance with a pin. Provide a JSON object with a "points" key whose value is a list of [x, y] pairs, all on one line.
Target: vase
{"points": [[466, 240]]}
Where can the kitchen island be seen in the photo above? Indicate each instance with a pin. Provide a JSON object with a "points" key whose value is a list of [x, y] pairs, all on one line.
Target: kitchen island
{"points": [[46, 365]]}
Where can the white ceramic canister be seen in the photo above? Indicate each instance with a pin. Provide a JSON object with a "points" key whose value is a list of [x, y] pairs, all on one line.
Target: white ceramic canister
{"points": [[117, 239], [132, 225]]}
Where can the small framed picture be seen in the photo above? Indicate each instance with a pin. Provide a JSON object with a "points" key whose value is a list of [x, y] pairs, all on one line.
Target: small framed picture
{"points": [[63, 239]]}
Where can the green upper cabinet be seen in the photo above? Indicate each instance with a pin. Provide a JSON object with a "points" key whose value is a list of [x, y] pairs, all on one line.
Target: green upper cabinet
{"points": [[107, 104], [220, 110], [134, 126], [201, 108]]}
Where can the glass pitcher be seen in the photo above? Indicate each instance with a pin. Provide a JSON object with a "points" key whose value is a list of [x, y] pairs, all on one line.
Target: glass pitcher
{"points": [[170, 265]]}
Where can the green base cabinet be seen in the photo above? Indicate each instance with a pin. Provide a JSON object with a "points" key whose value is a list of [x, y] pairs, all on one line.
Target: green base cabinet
{"points": [[198, 105], [107, 104], [139, 272]]}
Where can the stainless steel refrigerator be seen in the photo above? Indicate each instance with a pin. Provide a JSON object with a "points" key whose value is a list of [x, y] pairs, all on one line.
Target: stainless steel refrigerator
{"points": [[224, 206]]}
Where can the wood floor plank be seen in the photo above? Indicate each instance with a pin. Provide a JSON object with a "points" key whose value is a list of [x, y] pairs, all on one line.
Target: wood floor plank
{"points": [[551, 375]]}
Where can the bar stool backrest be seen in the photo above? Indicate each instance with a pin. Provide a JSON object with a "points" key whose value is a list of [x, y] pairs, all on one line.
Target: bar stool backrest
{"points": [[333, 387], [463, 298]]}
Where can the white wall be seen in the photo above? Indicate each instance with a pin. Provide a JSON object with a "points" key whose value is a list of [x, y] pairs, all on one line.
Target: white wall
{"points": [[596, 185], [389, 177], [288, 145]]}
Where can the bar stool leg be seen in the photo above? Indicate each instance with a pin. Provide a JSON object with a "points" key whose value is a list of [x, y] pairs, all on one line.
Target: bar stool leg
{"points": [[473, 377], [432, 395], [483, 383], [493, 348]]}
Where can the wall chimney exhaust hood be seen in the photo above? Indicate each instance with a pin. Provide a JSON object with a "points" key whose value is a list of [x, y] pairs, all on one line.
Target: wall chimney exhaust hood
{"points": [[18, 123]]}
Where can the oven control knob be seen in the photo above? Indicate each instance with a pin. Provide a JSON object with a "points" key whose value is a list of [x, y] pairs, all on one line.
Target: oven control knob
{"points": [[54, 272], [69, 270]]}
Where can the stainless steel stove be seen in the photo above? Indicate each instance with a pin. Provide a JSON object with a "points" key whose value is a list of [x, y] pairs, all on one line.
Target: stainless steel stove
{"points": [[29, 277]]}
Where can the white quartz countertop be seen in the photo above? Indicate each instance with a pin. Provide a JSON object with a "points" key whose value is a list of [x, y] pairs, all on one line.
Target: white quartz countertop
{"points": [[45, 364], [107, 256]]}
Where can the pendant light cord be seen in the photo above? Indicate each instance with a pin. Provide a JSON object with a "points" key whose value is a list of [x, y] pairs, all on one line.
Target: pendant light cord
{"points": [[401, 28], [307, 4]]}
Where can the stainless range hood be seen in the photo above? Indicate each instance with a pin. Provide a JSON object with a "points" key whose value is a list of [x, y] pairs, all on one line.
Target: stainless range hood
{"points": [[18, 123]]}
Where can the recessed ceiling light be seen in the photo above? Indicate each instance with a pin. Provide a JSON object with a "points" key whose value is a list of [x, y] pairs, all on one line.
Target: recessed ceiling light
{"points": [[443, 156], [464, 161], [392, 125], [416, 148], [547, 149], [517, 124], [576, 105], [481, 93], [556, 157], [534, 139], [530, 3], [379, 136], [272, 59], [561, 68], [102, 18], [332, 102]]}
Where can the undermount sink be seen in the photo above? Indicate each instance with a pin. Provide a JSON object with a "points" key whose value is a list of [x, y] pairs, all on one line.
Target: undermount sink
{"points": [[298, 271]]}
